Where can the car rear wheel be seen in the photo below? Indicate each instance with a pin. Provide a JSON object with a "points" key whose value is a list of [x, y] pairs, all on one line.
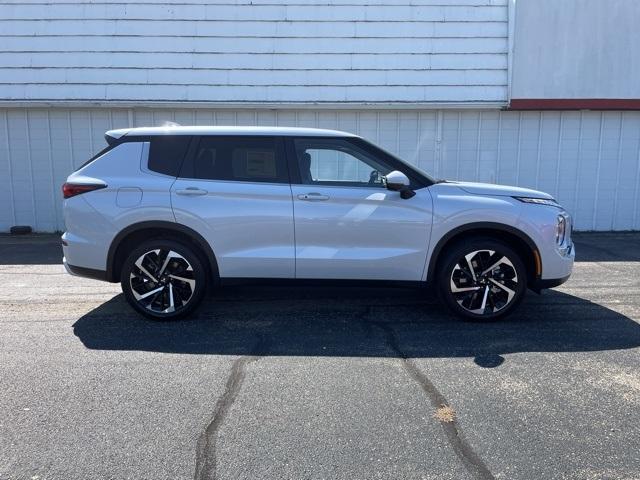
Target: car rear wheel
{"points": [[163, 279], [482, 279]]}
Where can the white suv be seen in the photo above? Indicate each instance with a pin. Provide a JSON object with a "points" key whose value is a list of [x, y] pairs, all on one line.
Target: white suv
{"points": [[169, 212]]}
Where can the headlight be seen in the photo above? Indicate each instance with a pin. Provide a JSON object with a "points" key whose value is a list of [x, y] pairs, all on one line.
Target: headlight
{"points": [[539, 201], [561, 229]]}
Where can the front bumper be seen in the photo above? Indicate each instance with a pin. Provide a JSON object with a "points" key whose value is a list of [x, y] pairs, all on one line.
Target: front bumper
{"points": [[541, 284], [557, 266]]}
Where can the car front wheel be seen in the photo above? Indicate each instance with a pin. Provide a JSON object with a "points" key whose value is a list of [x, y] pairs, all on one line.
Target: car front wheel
{"points": [[163, 279], [482, 279]]}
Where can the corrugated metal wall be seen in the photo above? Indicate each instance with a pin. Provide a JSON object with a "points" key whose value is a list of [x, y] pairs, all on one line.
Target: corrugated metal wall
{"points": [[589, 160]]}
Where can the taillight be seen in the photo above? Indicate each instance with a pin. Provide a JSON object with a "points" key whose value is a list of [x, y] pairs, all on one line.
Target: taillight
{"points": [[72, 189]]}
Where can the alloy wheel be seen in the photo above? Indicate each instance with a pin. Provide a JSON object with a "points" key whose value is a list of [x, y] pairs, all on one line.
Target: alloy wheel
{"points": [[162, 281], [484, 282]]}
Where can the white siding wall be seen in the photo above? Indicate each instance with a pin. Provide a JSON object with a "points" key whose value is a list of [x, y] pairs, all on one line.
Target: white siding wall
{"points": [[576, 49], [589, 160], [229, 52]]}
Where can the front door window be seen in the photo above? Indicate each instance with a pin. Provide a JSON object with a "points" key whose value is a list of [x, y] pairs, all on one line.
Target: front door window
{"points": [[337, 162]]}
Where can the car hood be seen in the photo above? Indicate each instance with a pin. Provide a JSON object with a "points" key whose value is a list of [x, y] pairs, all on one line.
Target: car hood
{"points": [[500, 190]]}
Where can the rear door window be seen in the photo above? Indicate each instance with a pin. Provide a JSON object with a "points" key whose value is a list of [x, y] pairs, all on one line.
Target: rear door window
{"points": [[238, 158], [166, 153]]}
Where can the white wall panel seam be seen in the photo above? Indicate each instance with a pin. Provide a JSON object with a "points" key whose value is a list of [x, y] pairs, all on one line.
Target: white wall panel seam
{"points": [[519, 147], [10, 167], [558, 156], [597, 179], [458, 145], [30, 167], [618, 161], [54, 200], [478, 142], [636, 194], [70, 137], [577, 183], [539, 148], [437, 148], [498, 148]]}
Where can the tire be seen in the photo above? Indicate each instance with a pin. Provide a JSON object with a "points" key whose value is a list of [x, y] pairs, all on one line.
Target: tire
{"points": [[485, 294], [178, 287]]}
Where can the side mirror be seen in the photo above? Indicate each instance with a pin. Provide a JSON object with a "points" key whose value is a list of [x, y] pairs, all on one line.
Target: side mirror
{"points": [[399, 182]]}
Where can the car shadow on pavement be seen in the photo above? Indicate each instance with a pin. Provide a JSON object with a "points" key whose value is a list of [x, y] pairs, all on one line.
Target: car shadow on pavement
{"points": [[358, 322]]}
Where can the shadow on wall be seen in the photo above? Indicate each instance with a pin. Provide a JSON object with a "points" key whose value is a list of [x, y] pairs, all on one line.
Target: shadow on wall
{"points": [[357, 322]]}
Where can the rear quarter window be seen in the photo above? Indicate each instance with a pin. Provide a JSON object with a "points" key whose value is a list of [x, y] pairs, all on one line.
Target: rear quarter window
{"points": [[167, 152]]}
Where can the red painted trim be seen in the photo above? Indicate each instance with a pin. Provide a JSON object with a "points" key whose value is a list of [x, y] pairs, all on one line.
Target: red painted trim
{"points": [[575, 104]]}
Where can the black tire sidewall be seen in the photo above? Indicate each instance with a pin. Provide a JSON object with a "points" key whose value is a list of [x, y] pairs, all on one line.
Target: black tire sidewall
{"points": [[456, 252], [199, 272]]}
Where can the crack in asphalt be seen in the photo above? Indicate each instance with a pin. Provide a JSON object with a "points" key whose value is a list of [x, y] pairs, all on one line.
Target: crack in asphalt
{"points": [[470, 459], [206, 446]]}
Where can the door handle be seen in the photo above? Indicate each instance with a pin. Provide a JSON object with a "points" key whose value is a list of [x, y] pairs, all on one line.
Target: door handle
{"points": [[313, 197], [191, 191]]}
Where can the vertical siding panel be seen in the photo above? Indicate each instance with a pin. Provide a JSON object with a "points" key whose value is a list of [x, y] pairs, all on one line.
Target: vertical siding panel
{"points": [[488, 149], [478, 148], [21, 166], [204, 117], [558, 157], [508, 147], [605, 190], [528, 152], [143, 118], [576, 190], [388, 131], [588, 168], [636, 197], [468, 145], [39, 156], [368, 125], [91, 132], [8, 218], [616, 195], [597, 176], [519, 147], [498, 149], [437, 144], [547, 152], [449, 145], [408, 136], [539, 150], [458, 146], [32, 183], [266, 118]]}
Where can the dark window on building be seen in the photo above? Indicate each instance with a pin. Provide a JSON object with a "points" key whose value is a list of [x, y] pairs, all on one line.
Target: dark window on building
{"points": [[243, 159], [166, 153]]}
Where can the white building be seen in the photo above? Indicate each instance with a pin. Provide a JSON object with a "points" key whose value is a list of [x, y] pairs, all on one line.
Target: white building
{"points": [[537, 93]]}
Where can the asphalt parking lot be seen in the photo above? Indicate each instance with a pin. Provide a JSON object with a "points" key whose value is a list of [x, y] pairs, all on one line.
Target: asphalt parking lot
{"points": [[319, 382]]}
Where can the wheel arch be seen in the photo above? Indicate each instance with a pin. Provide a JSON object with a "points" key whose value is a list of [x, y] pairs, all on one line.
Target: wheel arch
{"points": [[163, 229], [517, 239]]}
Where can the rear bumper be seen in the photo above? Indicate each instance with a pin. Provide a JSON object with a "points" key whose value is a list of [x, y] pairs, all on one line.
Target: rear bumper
{"points": [[84, 272]]}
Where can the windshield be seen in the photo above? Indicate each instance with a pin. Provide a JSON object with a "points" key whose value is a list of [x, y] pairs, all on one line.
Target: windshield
{"points": [[418, 172]]}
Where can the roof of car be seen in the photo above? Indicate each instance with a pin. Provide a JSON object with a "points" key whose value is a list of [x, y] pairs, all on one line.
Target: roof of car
{"points": [[180, 130]]}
